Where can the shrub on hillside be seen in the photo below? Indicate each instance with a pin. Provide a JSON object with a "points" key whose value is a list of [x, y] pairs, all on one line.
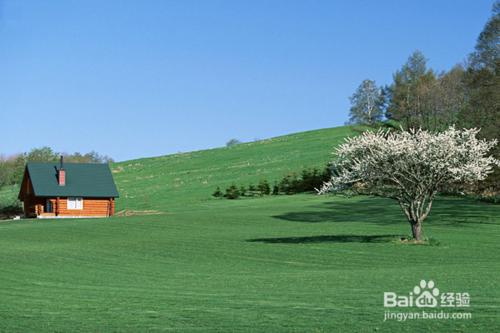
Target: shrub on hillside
{"points": [[252, 190], [232, 143], [232, 192], [308, 181], [276, 189], [264, 188], [218, 193], [243, 191]]}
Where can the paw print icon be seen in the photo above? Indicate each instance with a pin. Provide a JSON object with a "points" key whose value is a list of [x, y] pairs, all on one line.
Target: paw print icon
{"points": [[426, 294]]}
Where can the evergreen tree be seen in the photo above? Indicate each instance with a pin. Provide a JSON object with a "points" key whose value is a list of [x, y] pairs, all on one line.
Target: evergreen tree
{"points": [[217, 193], [487, 48], [243, 191], [276, 189], [251, 190], [410, 92], [264, 188], [232, 192]]}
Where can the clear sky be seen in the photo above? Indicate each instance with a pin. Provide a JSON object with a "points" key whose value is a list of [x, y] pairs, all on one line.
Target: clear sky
{"points": [[145, 78]]}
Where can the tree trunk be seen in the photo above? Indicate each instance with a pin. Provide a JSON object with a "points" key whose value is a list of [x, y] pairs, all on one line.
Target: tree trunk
{"points": [[416, 212], [416, 230]]}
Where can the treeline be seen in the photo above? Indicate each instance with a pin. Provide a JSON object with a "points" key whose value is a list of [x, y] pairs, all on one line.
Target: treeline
{"points": [[12, 168], [467, 96], [307, 180]]}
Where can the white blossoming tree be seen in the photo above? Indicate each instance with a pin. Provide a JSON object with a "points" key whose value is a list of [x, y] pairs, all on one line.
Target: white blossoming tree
{"points": [[411, 166]]}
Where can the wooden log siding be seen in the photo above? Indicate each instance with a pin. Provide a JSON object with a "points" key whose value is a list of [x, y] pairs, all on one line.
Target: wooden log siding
{"points": [[91, 207]]}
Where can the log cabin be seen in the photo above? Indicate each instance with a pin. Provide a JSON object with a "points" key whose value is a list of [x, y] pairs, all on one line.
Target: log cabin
{"points": [[71, 190]]}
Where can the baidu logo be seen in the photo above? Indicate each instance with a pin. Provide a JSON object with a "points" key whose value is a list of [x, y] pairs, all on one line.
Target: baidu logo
{"points": [[426, 295], [426, 301]]}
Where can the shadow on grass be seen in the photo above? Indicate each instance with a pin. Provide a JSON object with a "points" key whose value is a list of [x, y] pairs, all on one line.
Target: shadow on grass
{"points": [[329, 239], [376, 210], [449, 211]]}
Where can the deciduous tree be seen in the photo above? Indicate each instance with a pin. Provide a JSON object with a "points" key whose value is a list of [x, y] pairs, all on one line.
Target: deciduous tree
{"points": [[483, 89], [412, 166], [366, 104]]}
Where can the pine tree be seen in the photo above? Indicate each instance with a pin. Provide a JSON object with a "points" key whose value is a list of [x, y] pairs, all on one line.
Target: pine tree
{"points": [[243, 191], [232, 192], [276, 189], [217, 193], [410, 93], [264, 187]]}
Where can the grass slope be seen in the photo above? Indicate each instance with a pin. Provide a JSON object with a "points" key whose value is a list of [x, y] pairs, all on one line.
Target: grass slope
{"points": [[167, 182], [298, 263]]}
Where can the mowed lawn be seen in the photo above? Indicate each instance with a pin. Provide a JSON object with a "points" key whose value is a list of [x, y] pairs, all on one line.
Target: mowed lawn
{"points": [[298, 263]]}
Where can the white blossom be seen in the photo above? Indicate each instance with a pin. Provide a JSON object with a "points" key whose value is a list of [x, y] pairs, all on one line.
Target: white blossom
{"points": [[414, 165]]}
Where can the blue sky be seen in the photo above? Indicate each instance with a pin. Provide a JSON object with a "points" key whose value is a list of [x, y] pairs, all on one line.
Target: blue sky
{"points": [[145, 78]]}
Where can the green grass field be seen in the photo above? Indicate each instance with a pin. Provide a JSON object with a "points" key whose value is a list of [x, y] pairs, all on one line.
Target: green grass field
{"points": [[298, 263]]}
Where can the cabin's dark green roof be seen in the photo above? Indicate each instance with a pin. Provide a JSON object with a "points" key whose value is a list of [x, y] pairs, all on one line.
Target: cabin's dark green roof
{"points": [[82, 180]]}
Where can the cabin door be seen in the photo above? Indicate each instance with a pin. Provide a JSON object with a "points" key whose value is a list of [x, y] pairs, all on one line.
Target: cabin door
{"points": [[48, 206]]}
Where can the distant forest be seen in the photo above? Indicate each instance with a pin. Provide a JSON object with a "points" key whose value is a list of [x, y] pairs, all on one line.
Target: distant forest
{"points": [[12, 168], [467, 96]]}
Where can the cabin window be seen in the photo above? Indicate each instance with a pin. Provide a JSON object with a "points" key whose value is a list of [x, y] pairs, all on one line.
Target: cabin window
{"points": [[75, 203]]}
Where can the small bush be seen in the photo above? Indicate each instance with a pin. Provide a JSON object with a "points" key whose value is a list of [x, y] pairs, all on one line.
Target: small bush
{"points": [[276, 189], [286, 185], [218, 193], [232, 192], [243, 191], [252, 190], [264, 188], [232, 143], [308, 181]]}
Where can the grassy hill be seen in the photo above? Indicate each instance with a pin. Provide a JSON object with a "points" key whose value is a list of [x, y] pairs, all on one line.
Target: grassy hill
{"points": [[172, 181], [300, 263], [167, 182]]}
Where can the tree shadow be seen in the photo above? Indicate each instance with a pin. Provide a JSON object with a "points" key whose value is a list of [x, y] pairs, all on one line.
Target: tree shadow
{"points": [[446, 210], [369, 209], [329, 239]]}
